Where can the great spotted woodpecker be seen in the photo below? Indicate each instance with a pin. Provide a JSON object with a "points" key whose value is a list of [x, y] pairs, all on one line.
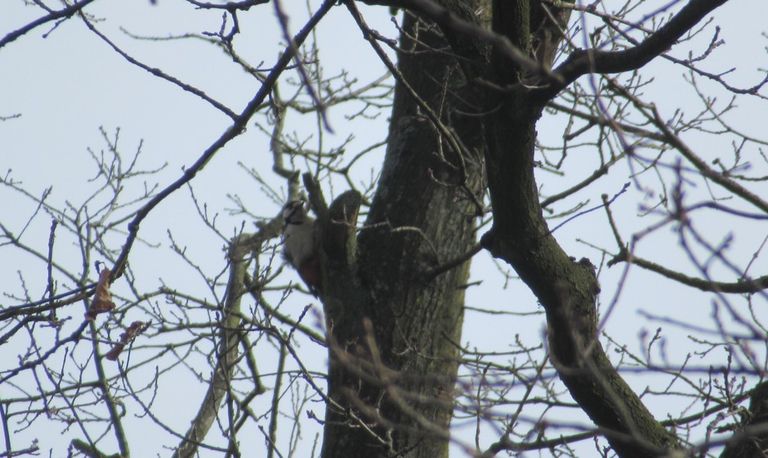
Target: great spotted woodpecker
{"points": [[300, 247]]}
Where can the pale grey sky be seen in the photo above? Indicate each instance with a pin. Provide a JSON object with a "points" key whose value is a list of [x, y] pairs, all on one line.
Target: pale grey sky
{"points": [[68, 83]]}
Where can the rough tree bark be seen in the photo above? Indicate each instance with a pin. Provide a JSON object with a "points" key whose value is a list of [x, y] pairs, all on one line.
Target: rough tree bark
{"points": [[422, 216], [566, 289], [472, 79], [465, 96], [752, 438]]}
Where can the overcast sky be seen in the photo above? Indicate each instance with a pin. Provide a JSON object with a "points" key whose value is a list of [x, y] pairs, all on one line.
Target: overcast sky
{"points": [[66, 84]]}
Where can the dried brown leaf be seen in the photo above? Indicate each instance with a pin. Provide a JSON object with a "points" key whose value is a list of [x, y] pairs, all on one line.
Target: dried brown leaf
{"points": [[134, 330], [102, 299]]}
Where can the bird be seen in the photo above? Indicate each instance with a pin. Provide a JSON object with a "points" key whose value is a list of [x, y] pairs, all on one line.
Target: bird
{"points": [[300, 244]]}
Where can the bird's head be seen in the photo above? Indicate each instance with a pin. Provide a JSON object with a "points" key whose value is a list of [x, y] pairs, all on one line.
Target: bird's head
{"points": [[295, 212]]}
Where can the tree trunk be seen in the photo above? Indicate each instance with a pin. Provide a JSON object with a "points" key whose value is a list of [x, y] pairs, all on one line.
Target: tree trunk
{"points": [[751, 440], [423, 215], [487, 93]]}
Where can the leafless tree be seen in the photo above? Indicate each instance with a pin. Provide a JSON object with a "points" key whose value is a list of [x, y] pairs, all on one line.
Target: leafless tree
{"points": [[660, 201]]}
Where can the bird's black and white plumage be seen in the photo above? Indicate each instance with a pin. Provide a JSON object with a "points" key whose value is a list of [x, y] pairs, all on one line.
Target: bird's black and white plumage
{"points": [[300, 246]]}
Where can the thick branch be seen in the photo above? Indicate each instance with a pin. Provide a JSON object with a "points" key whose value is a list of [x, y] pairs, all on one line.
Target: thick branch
{"points": [[463, 33], [226, 354], [582, 61], [567, 289], [339, 241]]}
